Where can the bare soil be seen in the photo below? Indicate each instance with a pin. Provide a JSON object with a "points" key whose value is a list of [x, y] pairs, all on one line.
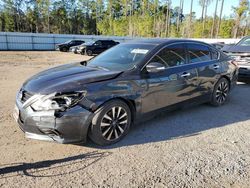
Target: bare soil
{"points": [[202, 146]]}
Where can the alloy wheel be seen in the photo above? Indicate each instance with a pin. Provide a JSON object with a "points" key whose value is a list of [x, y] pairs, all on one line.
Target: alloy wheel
{"points": [[114, 123], [222, 92]]}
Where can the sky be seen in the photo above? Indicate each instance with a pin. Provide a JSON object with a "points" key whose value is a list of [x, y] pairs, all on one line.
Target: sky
{"points": [[227, 11]]}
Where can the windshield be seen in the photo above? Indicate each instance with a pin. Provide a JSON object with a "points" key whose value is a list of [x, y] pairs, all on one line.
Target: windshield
{"points": [[68, 41], [121, 57], [245, 42]]}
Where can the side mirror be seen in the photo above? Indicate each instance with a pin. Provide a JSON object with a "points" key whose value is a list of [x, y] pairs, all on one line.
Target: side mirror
{"points": [[155, 67]]}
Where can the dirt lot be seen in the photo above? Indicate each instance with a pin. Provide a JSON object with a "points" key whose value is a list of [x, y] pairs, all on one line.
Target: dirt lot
{"points": [[199, 147]]}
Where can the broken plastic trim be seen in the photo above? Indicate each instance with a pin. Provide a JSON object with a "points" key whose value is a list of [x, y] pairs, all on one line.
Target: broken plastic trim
{"points": [[54, 101]]}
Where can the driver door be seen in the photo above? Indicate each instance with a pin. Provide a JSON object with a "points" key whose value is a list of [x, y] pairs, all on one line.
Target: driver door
{"points": [[174, 82]]}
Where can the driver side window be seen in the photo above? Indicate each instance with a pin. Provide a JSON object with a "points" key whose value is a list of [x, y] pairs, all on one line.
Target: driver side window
{"points": [[173, 55], [98, 43]]}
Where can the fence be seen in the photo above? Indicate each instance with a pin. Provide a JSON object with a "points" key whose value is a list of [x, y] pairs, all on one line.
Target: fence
{"points": [[38, 41]]}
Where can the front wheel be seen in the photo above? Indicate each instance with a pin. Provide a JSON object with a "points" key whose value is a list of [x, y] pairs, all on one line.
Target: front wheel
{"points": [[220, 93], [110, 123], [89, 52]]}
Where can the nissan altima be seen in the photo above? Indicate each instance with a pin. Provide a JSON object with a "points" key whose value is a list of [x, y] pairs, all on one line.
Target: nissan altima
{"points": [[102, 98]]}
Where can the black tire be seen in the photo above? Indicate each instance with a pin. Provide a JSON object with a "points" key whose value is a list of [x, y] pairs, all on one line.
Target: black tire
{"points": [[108, 127], [64, 49], [220, 93], [89, 52]]}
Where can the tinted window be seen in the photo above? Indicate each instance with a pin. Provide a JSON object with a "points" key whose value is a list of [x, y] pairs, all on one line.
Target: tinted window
{"points": [[244, 42], [170, 56], [80, 42], [215, 54], [198, 53], [98, 43]]}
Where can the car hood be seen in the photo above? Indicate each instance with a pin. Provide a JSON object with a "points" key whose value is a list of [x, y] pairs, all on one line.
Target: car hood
{"points": [[66, 78], [236, 49]]}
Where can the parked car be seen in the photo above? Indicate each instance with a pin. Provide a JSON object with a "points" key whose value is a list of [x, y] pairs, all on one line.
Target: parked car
{"points": [[64, 47], [241, 53], [102, 98], [75, 49], [218, 45], [97, 47]]}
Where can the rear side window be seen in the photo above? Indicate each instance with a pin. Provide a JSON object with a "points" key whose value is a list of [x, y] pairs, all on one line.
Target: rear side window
{"points": [[170, 56], [198, 53]]}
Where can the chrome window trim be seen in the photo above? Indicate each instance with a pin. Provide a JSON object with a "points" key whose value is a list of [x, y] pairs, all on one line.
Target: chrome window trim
{"points": [[193, 42]]}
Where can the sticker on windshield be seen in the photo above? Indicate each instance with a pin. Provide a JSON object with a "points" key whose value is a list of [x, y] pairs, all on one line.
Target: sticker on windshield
{"points": [[139, 51]]}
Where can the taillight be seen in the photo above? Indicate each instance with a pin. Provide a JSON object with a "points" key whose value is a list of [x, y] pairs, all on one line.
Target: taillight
{"points": [[234, 63]]}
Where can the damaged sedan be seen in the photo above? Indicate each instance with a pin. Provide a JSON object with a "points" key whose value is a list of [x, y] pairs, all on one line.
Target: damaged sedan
{"points": [[102, 98], [241, 53]]}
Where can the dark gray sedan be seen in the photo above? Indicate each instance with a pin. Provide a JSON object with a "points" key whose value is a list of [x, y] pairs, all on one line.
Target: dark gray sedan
{"points": [[101, 99]]}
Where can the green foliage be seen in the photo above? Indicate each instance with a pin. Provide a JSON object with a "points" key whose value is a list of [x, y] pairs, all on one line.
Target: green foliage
{"points": [[143, 18]]}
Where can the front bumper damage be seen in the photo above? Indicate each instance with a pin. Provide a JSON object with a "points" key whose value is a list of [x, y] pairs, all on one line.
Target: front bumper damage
{"points": [[243, 60], [244, 71], [70, 126]]}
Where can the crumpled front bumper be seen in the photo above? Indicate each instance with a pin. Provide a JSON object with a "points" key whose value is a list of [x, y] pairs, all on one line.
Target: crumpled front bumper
{"points": [[244, 71], [70, 126]]}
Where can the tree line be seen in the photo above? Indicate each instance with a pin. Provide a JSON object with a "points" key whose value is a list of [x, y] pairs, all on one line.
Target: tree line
{"points": [[142, 18]]}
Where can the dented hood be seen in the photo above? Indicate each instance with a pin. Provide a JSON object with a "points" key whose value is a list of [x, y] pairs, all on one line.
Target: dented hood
{"points": [[66, 78]]}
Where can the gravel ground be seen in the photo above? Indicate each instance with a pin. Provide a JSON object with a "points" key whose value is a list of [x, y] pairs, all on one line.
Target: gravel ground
{"points": [[202, 146]]}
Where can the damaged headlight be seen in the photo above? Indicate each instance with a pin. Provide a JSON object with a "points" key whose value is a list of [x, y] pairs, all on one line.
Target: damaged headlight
{"points": [[55, 101]]}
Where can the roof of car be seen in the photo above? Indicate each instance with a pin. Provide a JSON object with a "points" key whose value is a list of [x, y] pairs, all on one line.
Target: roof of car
{"points": [[159, 41]]}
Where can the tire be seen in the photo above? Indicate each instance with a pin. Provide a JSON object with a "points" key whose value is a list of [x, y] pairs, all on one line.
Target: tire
{"points": [[111, 123], [64, 49], [220, 93], [89, 52]]}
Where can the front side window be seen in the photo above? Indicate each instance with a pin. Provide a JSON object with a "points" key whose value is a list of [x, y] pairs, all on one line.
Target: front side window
{"points": [[244, 42], [98, 43], [173, 55], [198, 53]]}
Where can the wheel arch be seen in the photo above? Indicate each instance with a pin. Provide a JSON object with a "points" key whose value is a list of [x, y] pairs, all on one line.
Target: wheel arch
{"points": [[129, 102], [228, 79]]}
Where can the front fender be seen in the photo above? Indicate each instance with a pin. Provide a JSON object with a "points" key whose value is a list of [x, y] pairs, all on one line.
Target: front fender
{"points": [[99, 93]]}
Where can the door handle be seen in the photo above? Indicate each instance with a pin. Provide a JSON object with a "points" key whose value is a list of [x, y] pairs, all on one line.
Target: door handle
{"points": [[216, 66], [185, 74]]}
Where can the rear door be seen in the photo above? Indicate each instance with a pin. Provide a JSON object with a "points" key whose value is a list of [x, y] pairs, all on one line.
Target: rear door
{"points": [[175, 84], [206, 59]]}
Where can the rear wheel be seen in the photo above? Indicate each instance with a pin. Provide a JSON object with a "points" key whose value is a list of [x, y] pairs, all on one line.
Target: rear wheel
{"points": [[220, 93], [89, 52], [110, 123]]}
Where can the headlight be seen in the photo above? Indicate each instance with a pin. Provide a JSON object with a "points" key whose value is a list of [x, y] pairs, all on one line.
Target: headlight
{"points": [[56, 102]]}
